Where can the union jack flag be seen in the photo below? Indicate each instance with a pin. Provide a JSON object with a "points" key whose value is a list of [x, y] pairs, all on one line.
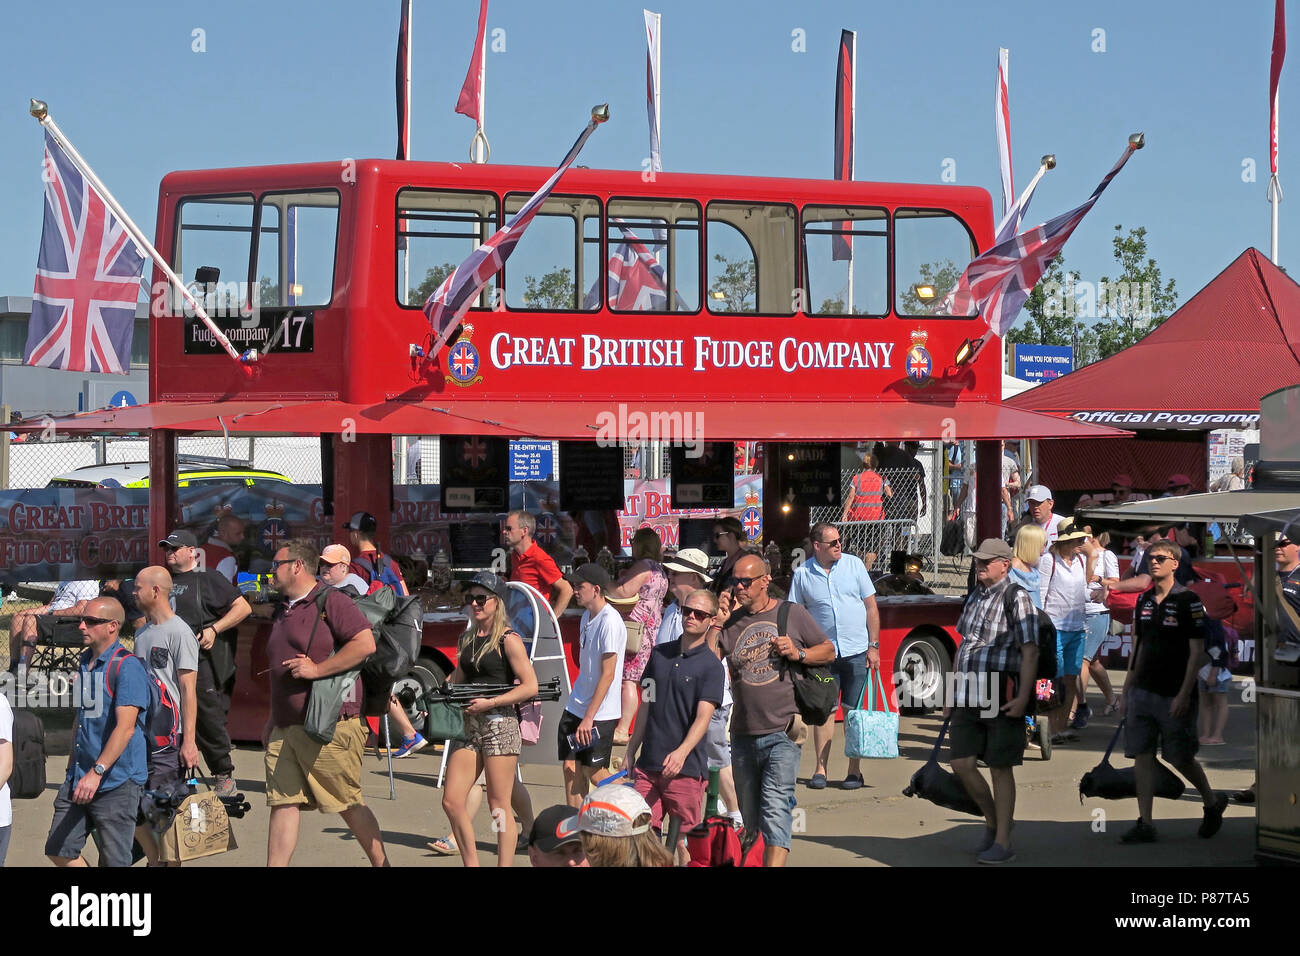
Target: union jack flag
{"points": [[475, 451], [999, 281], [451, 300], [637, 280], [87, 278]]}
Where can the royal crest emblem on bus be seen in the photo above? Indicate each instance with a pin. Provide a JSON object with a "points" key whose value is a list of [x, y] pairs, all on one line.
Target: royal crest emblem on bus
{"points": [[274, 532], [919, 364], [463, 360], [751, 519]]}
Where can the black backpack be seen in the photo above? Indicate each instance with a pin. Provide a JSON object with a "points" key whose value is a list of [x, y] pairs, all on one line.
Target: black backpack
{"points": [[816, 693], [27, 782], [1046, 633], [398, 626]]}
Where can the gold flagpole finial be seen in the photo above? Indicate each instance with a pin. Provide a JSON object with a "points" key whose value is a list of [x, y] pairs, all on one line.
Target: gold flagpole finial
{"points": [[1137, 140], [600, 114], [39, 109], [1049, 160]]}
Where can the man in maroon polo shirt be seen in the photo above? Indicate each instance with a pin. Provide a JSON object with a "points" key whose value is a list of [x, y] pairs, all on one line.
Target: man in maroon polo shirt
{"points": [[530, 564], [305, 646]]}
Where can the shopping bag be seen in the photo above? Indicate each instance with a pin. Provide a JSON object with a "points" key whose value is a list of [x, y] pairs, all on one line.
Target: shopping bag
{"points": [[871, 732], [201, 827]]}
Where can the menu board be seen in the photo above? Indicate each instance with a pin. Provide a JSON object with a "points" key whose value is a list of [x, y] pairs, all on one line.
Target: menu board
{"points": [[475, 473], [591, 477], [703, 479]]}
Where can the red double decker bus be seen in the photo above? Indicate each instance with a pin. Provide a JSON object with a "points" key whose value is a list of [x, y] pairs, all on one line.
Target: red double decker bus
{"points": [[728, 308]]}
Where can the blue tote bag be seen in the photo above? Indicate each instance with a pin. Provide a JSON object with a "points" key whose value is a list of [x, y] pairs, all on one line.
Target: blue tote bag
{"points": [[871, 733]]}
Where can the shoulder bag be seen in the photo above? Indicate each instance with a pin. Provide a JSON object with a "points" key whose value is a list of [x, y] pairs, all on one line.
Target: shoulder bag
{"points": [[327, 693]]}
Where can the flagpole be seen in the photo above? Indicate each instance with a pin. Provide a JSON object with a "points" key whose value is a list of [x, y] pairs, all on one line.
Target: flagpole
{"points": [[853, 158], [479, 149], [40, 111]]}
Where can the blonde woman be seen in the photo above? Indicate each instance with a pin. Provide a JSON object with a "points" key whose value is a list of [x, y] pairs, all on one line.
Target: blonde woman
{"points": [[647, 579], [1031, 539], [615, 825], [489, 652]]}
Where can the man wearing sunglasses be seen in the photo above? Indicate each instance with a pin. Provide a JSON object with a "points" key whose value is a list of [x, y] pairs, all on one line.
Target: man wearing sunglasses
{"points": [[108, 767], [1287, 554], [1159, 701], [212, 606], [766, 730], [836, 588]]}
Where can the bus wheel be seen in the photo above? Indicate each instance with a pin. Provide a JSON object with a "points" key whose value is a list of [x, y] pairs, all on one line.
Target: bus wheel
{"points": [[919, 670], [411, 692]]}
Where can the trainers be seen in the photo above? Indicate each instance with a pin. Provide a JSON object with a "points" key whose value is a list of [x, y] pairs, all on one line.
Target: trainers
{"points": [[990, 837], [410, 745], [225, 785], [1082, 714], [997, 853], [1140, 833], [1213, 817]]}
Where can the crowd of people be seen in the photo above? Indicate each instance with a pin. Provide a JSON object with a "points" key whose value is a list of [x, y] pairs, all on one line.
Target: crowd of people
{"points": [[714, 649]]}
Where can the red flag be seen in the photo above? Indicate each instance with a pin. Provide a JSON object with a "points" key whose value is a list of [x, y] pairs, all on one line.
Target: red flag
{"points": [[470, 102], [1274, 74], [845, 101], [404, 82]]}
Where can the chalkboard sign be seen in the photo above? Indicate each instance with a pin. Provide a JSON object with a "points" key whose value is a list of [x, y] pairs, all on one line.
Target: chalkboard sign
{"points": [[812, 472], [475, 473], [591, 477], [472, 543], [704, 480]]}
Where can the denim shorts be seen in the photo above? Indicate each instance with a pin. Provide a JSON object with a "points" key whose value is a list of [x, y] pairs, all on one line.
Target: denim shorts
{"points": [[766, 768], [1098, 631], [4, 843], [112, 815], [851, 673], [717, 748], [1069, 652]]}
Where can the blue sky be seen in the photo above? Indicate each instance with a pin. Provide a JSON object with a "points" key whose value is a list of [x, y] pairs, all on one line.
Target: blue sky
{"points": [[287, 82]]}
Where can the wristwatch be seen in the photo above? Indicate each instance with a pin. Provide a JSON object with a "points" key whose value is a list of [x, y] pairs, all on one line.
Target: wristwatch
{"points": [[873, 645], [802, 655], [100, 769]]}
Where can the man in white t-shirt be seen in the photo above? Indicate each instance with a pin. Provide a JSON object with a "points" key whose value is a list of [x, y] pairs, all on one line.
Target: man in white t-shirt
{"points": [[1040, 506], [6, 768], [586, 731]]}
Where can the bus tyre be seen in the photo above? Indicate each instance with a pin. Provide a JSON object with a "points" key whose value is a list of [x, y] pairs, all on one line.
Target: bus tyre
{"points": [[921, 667]]}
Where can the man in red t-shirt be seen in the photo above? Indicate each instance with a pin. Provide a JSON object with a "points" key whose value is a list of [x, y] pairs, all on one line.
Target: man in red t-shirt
{"points": [[530, 564]]}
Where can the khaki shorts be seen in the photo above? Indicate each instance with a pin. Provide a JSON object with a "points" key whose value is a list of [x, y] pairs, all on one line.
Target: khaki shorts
{"points": [[324, 777]]}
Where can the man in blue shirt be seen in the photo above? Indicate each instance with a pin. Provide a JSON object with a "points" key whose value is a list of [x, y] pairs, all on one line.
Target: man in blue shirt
{"points": [[837, 590], [109, 765]]}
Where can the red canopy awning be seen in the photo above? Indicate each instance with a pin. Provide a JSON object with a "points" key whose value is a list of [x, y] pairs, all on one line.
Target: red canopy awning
{"points": [[1229, 345], [790, 421]]}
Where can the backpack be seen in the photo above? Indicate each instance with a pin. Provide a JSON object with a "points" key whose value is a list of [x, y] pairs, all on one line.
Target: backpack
{"points": [[816, 692], [716, 843], [1046, 634], [383, 571], [398, 627], [162, 716], [27, 782]]}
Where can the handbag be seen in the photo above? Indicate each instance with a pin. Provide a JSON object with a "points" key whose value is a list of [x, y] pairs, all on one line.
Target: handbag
{"points": [[635, 634], [816, 693], [529, 714], [871, 732], [446, 722], [327, 694], [953, 541]]}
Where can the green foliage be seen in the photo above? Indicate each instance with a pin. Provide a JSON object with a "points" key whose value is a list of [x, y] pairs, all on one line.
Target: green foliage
{"points": [[554, 290], [831, 306], [942, 276], [267, 294], [1136, 302], [736, 289], [432, 279]]}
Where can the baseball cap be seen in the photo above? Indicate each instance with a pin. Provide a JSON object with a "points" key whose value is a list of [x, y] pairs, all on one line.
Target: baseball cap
{"points": [[551, 831], [1039, 493], [179, 539], [490, 582], [611, 810], [691, 560], [1176, 480], [1122, 481], [336, 554], [991, 548], [592, 573], [362, 521]]}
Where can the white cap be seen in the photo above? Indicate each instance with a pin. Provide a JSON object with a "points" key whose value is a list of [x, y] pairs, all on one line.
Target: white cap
{"points": [[611, 810], [1038, 493]]}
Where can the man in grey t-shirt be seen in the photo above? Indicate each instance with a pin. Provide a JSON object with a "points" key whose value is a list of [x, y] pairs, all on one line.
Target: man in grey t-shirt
{"points": [[170, 653]]}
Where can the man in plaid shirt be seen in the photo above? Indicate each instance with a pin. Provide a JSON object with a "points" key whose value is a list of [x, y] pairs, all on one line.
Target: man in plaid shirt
{"points": [[996, 666]]}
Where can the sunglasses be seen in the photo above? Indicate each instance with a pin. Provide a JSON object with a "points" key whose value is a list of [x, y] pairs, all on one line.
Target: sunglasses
{"points": [[1161, 558], [720, 534], [276, 564], [743, 582], [89, 621], [831, 544], [696, 614], [1283, 543], [478, 600]]}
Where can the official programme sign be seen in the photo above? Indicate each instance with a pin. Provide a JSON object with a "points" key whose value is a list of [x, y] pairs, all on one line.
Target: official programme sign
{"points": [[1038, 363]]}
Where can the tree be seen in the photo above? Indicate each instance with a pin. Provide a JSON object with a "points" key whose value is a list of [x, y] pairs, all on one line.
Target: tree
{"points": [[942, 276], [833, 306], [554, 290], [432, 279], [1053, 317], [1132, 305], [267, 293], [737, 287]]}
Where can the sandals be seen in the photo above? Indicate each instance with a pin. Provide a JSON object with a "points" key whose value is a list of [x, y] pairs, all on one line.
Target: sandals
{"points": [[1111, 708], [443, 846]]}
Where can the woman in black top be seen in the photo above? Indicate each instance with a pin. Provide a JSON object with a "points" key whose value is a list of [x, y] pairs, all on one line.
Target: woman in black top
{"points": [[488, 653]]}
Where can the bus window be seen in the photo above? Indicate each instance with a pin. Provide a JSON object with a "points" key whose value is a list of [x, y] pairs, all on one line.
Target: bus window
{"points": [[436, 232], [931, 248], [297, 239], [837, 239], [558, 259], [654, 245], [216, 231], [751, 258]]}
